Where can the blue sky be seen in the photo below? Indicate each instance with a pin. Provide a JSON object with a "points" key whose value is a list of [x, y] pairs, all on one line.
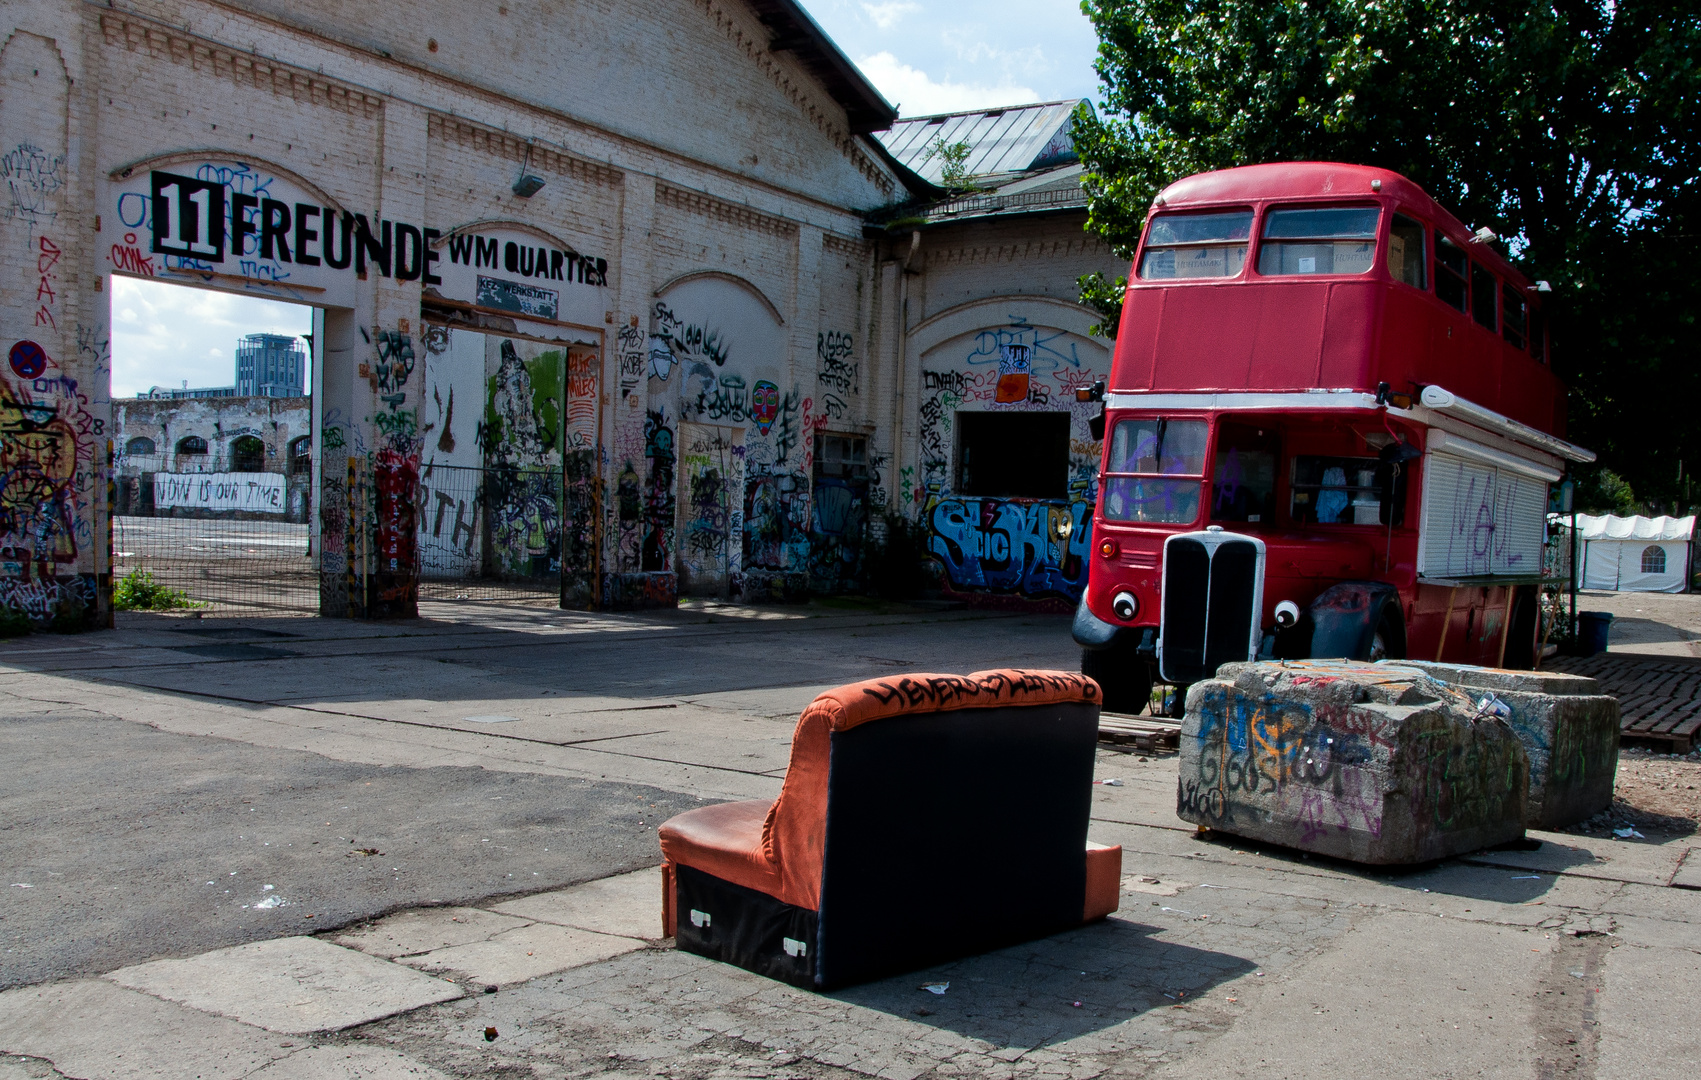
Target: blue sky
{"points": [[928, 56], [164, 334]]}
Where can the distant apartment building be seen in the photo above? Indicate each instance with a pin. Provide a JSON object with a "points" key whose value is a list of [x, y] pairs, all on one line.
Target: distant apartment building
{"points": [[270, 365]]}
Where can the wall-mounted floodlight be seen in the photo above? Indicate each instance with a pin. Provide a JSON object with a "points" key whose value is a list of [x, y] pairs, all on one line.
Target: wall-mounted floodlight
{"points": [[527, 185], [1484, 235]]}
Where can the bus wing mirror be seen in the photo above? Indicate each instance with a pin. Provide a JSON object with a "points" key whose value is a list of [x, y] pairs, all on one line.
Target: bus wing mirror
{"points": [[1095, 427]]}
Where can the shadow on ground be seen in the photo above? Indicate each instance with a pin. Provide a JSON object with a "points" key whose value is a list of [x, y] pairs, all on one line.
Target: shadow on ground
{"points": [[1057, 988]]}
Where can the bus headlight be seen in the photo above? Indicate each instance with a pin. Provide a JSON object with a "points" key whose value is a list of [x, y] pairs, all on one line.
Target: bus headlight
{"points": [[1125, 606], [1287, 613]]}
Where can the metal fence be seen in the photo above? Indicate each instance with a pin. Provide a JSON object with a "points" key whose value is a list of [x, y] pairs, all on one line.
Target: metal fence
{"points": [[490, 533], [223, 566]]}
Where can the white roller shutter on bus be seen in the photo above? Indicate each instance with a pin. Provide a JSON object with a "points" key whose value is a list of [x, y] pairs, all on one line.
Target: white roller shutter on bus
{"points": [[1483, 511]]}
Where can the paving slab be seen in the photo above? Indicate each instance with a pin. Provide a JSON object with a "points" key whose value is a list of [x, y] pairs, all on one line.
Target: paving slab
{"points": [[94, 1028], [1644, 862], [293, 985], [522, 954], [408, 933], [625, 905], [348, 1063]]}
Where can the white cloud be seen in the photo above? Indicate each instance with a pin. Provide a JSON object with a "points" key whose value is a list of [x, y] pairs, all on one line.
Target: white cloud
{"points": [[917, 94], [164, 334], [886, 15]]}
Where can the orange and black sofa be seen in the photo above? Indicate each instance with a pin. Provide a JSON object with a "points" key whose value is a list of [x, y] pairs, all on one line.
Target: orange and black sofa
{"points": [[922, 818]]}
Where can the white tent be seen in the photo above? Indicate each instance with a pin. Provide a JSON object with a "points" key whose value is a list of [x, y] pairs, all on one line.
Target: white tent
{"points": [[1635, 554]]}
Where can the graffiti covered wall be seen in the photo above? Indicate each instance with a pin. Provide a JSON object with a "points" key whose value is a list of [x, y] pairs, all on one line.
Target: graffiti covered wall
{"points": [[992, 548]]}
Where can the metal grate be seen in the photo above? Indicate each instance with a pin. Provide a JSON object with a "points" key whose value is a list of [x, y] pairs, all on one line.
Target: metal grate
{"points": [[490, 534], [225, 566]]}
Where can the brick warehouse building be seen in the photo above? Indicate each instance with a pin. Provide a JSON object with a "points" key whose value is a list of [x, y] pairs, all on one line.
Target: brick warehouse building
{"points": [[649, 269]]}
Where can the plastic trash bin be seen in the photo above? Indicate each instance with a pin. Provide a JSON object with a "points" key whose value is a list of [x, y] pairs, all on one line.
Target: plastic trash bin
{"points": [[1592, 630]]}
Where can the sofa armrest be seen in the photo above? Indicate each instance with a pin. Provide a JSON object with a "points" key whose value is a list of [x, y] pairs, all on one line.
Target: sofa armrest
{"points": [[1104, 880]]}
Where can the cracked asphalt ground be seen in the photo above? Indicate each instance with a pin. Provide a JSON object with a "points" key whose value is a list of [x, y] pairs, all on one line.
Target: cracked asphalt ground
{"points": [[533, 728]]}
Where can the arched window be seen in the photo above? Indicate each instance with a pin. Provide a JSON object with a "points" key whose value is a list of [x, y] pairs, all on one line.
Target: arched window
{"points": [[1653, 559], [191, 444], [247, 454], [139, 445], [301, 454]]}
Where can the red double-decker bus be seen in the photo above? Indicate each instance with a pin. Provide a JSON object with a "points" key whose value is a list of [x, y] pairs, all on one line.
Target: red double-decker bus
{"points": [[1330, 431]]}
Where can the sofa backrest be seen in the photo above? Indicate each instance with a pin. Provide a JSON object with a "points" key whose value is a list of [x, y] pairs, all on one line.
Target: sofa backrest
{"points": [[935, 815]]}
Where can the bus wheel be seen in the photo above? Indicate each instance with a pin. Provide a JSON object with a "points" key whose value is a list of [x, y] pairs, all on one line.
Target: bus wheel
{"points": [[1389, 640], [1125, 679]]}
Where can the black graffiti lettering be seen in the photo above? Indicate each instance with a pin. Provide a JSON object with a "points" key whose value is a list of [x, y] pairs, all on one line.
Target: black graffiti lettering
{"points": [[305, 235], [274, 230], [368, 247], [429, 247], [410, 253], [338, 258]]}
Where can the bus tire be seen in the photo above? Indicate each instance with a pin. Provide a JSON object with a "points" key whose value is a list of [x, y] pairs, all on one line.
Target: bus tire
{"points": [[1124, 679]]}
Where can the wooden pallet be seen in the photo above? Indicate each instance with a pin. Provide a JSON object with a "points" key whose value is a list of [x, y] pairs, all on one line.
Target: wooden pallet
{"points": [[1659, 697], [1146, 734]]}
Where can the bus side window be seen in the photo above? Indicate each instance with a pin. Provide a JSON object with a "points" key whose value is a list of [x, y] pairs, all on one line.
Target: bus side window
{"points": [[1406, 260], [1482, 296], [1514, 316], [1538, 335], [1451, 271], [1243, 477]]}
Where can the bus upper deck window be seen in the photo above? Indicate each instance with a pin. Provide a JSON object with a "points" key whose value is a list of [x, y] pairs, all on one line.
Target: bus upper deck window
{"points": [[1327, 240], [1196, 245], [1482, 295], [1153, 471], [1452, 270], [1405, 253], [1514, 316]]}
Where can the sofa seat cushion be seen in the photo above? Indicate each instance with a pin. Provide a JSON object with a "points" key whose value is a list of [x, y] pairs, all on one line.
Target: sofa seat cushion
{"points": [[724, 840]]}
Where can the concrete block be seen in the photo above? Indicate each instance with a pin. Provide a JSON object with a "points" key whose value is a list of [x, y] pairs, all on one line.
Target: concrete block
{"points": [[626, 905], [1371, 763], [291, 985], [1569, 728]]}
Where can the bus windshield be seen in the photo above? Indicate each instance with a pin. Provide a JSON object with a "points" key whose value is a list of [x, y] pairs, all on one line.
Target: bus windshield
{"points": [[1322, 240], [1196, 245], [1155, 470]]}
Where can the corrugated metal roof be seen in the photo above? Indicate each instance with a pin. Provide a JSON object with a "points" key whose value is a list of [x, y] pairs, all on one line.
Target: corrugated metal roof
{"points": [[1011, 140]]}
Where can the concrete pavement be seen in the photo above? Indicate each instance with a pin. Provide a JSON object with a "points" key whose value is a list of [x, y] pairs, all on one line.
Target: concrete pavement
{"points": [[134, 755]]}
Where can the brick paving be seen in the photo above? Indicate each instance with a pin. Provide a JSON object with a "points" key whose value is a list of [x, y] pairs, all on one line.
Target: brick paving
{"points": [[1660, 696]]}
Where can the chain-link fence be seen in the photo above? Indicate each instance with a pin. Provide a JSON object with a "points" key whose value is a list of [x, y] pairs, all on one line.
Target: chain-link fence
{"points": [[221, 565], [490, 533]]}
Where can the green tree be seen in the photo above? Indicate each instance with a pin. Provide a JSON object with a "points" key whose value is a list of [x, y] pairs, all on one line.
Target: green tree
{"points": [[1567, 127]]}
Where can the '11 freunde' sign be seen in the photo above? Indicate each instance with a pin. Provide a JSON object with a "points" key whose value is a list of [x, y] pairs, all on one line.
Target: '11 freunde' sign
{"points": [[261, 493], [230, 218]]}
